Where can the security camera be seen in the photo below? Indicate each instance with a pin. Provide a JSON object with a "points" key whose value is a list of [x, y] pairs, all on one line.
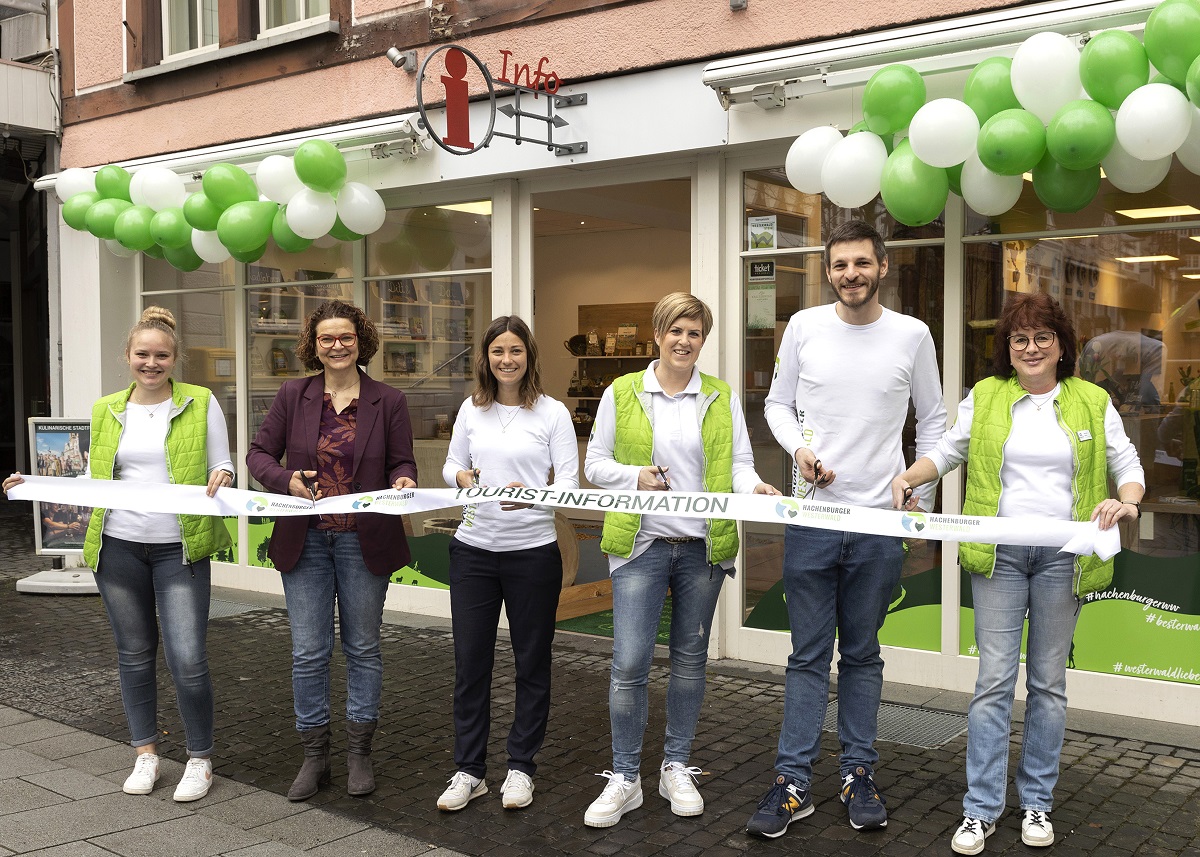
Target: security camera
{"points": [[405, 60]]}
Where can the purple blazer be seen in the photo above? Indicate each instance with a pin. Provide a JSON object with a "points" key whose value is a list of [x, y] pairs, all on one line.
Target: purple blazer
{"points": [[383, 452]]}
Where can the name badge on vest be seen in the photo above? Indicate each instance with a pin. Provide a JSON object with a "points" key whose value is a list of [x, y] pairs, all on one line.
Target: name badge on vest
{"points": [[1084, 434]]}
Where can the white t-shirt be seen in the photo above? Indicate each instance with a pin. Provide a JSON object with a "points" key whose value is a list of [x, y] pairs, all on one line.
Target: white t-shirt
{"points": [[1037, 470], [843, 390], [507, 445], [141, 457], [678, 447]]}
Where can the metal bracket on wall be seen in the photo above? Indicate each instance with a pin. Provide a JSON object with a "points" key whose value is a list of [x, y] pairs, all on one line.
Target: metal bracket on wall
{"points": [[552, 119]]}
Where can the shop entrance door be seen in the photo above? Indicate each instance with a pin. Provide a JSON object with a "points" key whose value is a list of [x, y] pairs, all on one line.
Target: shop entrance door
{"points": [[602, 257]]}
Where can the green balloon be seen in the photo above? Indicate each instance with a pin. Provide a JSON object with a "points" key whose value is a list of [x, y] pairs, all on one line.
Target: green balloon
{"points": [[102, 217], [201, 212], [112, 182], [1162, 78], [249, 256], [154, 251], [133, 227], [1172, 37], [320, 165], [914, 192], [342, 233], [226, 185], [246, 225], [1081, 134], [1193, 82], [1011, 142], [75, 209], [184, 258], [288, 241], [954, 174], [1062, 189], [891, 98], [989, 88], [1111, 65], [170, 230]]}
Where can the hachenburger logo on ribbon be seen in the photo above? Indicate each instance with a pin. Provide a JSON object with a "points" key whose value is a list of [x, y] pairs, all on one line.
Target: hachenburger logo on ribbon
{"points": [[1071, 536]]}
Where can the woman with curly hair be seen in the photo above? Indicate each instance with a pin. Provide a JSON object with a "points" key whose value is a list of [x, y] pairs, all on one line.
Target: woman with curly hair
{"points": [[341, 432]]}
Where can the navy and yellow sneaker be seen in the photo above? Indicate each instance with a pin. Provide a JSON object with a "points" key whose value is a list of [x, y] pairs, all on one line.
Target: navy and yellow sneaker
{"points": [[862, 798], [785, 802]]}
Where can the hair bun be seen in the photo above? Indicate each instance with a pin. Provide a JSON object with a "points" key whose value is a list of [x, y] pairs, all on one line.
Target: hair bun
{"points": [[158, 314]]}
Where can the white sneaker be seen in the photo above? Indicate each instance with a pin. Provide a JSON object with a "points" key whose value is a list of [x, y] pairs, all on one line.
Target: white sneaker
{"points": [[970, 835], [144, 776], [463, 789], [677, 783], [197, 780], [618, 797], [517, 791], [1036, 829]]}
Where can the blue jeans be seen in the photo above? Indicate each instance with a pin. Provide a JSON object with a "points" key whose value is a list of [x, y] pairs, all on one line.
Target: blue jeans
{"points": [[1037, 581], [639, 589], [836, 584], [134, 578], [332, 568]]}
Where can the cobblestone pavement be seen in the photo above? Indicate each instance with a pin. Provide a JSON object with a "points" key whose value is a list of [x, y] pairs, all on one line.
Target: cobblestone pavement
{"points": [[1118, 795]]}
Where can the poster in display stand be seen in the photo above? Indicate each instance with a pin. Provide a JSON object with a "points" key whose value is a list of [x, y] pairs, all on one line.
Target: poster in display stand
{"points": [[59, 447]]}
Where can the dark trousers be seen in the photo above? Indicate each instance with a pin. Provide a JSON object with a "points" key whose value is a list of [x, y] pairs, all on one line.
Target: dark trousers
{"points": [[528, 583]]}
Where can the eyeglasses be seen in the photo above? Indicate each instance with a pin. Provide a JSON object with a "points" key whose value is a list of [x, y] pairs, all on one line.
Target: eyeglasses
{"points": [[1020, 342], [346, 339]]}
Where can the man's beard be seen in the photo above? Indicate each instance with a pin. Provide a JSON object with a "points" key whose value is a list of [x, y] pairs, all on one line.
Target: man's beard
{"points": [[871, 290]]}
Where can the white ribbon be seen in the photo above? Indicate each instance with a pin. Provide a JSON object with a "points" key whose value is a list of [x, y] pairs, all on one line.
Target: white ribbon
{"points": [[1071, 536]]}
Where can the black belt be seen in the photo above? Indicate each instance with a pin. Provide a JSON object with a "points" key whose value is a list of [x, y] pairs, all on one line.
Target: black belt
{"points": [[679, 540]]}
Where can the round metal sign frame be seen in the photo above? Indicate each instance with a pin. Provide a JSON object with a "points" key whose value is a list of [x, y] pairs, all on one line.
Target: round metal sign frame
{"points": [[487, 139]]}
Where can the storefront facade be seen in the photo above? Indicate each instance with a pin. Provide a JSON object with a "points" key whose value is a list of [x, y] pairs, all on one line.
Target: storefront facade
{"points": [[675, 174]]}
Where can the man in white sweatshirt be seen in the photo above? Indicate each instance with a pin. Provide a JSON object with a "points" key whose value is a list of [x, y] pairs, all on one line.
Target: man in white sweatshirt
{"points": [[838, 402]]}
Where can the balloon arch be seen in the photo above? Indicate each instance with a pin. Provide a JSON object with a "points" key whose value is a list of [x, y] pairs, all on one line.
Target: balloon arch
{"points": [[1122, 105], [294, 201]]}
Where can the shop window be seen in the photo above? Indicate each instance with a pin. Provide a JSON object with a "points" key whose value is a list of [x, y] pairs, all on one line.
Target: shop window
{"points": [[188, 25], [280, 14], [429, 289], [204, 323], [1134, 300], [778, 284]]}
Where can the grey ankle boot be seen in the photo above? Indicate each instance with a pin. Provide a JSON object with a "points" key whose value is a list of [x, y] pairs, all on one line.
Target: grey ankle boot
{"points": [[315, 770], [361, 777]]}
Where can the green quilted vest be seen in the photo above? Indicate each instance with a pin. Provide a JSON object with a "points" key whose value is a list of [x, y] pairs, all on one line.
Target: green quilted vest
{"points": [[1080, 406], [634, 444], [187, 464]]}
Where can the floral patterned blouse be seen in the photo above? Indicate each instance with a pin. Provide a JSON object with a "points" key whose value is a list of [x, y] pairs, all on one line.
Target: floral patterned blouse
{"points": [[335, 460]]}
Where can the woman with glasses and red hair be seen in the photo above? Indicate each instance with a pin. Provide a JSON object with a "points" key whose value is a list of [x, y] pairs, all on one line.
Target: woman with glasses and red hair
{"points": [[1041, 442], [342, 432]]}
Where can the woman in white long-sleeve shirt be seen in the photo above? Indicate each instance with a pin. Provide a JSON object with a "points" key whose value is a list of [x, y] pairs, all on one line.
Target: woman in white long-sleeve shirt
{"points": [[1043, 443], [508, 434]]}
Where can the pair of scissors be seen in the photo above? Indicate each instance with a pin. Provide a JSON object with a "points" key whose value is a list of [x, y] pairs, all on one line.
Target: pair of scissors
{"points": [[311, 485], [663, 476]]}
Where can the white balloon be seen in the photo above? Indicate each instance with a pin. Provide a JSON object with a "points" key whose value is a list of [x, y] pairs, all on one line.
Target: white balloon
{"points": [[136, 183], [209, 247], [987, 192], [1153, 121], [160, 188], [807, 154], [853, 168], [1045, 74], [943, 133], [1189, 152], [277, 179], [74, 180], [311, 213], [361, 208], [118, 249], [1133, 175]]}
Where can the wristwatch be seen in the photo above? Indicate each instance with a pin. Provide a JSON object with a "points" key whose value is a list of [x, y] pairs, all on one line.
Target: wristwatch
{"points": [[1135, 504]]}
